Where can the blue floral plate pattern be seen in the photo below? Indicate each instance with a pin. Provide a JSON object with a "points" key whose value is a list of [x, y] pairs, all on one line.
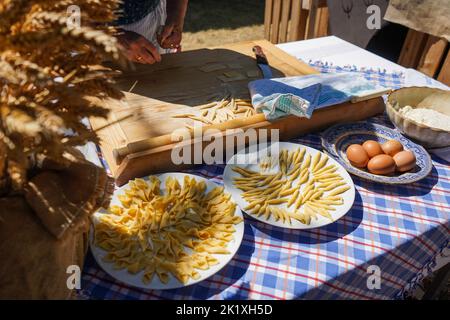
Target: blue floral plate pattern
{"points": [[336, 139]]}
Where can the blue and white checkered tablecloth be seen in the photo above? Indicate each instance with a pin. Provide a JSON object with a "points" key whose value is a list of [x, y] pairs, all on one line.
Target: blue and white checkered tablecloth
{"points": [[399, 229]]}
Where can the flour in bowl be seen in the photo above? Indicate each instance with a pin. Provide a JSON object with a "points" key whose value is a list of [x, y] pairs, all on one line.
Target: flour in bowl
{"points": [[428, 117]]}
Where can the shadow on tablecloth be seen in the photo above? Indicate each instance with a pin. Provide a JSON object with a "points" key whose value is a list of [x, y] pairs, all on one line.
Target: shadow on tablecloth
{"points": [[100, 285], [336, 230], [401, 269], [419, 188]]}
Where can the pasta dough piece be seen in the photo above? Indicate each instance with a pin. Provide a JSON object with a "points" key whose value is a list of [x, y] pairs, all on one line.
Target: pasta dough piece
{"points": [[328, 169], [293, 198], [323, 161], [315, 160], [339, 191], [331, 185]]}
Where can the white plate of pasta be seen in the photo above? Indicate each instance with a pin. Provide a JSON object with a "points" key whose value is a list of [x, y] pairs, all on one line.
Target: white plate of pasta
{"points": [[167, 231], [289, 185]]}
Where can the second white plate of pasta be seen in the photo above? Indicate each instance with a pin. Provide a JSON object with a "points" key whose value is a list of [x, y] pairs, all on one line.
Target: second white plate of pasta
{"points": [[289, 185], [167, 231]]}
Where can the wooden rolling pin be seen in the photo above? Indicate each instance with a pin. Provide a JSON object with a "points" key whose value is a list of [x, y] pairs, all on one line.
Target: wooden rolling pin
{"points": [[142, 145]]}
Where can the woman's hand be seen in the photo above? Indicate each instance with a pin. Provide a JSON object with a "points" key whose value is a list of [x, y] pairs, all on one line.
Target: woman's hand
{"points": [[170, 35], [137, 48]]}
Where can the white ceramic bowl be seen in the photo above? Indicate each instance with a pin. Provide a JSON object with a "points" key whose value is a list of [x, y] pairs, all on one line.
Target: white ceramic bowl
{"points": [[428, 136]]}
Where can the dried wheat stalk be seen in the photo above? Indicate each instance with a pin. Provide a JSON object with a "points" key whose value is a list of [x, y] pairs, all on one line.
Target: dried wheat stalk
{"points": [[48, 76]]}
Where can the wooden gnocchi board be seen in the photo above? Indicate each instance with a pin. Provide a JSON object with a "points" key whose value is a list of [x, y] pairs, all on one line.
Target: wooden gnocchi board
{"points": [[143, 119]]}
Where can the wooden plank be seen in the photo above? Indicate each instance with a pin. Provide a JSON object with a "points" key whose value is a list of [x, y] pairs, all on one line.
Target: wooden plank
{"points": [[268, 19], [321, 28], [444, 74], [303, 23], [286, 8], [412, 49], [312, 17], [306, 5], [295, 20], [276, 15], [432, 56]]}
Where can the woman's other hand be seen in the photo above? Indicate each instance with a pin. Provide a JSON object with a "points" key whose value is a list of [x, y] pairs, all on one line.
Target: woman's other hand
{"points": [[170, 35], [137, 48]]}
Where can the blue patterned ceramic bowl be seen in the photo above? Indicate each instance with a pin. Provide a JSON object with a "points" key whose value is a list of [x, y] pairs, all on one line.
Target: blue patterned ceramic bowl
{"points": [[336, 139]]}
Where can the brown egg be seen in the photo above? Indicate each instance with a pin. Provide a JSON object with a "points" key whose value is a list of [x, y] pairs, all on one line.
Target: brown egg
{"points": [[372, 148], [357, 156], [381, 164], [392, 147], [405, 160]]}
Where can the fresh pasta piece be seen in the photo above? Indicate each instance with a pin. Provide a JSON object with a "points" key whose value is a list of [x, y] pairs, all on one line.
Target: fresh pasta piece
{"points": [[328, 169], [290, 157], [331, 185], [323, 161], [267, 213], [293, 198], [244, 172], [308, 195], [300, 156], [307, 162], [288, 192], [315, 160], [331, 202], [295, 174], [319, 205], [339, 191], [327, 175], [323, 212], [331, 181]]}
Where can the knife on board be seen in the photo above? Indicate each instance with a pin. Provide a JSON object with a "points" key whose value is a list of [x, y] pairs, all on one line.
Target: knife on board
{"points": [[262, 62]]}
